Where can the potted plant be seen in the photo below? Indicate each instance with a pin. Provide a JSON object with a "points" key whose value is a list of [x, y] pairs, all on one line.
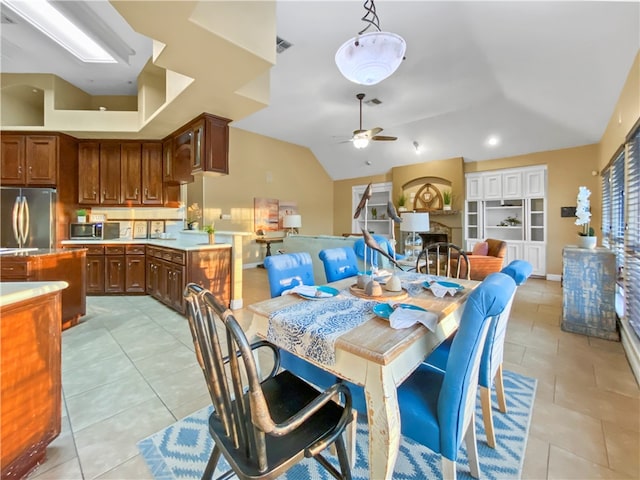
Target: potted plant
{"points": [[374, 213], [401, 201], [447, 198], [587, 237], [211, 231], [81, 213]]}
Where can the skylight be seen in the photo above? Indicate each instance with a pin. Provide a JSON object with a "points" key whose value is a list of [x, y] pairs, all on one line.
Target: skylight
{"points": [[50, 21]]}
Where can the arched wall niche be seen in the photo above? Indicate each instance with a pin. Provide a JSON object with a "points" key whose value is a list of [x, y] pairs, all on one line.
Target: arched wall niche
{"points": [[426, 193]]}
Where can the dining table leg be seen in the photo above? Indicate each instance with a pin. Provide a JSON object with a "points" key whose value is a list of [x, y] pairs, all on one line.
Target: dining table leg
{"points": [[384, 421]]}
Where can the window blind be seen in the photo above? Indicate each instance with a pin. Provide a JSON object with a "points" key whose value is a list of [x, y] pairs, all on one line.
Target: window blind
{"points": [[606, 208], [632, 244], [617, 209]]}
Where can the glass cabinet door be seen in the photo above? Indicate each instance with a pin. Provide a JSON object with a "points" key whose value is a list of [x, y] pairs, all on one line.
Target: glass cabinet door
{"points": [[536, 231], [473, 220]]}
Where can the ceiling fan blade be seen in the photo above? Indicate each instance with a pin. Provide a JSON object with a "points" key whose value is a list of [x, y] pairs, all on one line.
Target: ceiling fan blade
{"points": [[374, 131], [383, 138]]}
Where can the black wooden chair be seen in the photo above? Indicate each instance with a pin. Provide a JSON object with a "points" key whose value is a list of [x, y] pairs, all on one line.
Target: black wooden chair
{"points": [[441, 258], [262, 427]]}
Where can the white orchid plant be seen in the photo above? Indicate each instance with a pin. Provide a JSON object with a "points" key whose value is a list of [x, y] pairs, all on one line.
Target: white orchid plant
{"points": [[583, 212]]}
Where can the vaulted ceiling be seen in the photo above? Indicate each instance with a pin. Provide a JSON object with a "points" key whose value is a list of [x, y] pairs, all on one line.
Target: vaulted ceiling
{"points": [[537, 75]]}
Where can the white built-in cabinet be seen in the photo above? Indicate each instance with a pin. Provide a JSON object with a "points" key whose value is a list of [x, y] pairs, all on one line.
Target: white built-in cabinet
{"points": [[509, 205], [377, 219]]}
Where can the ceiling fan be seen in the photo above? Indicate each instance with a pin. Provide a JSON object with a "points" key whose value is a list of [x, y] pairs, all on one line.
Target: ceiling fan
{"points": [[362, 137]]}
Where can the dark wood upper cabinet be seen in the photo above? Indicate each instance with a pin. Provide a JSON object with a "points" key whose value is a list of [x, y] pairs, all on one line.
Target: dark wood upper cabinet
{"points": [[29, 160], [152, 174], [110, 171], [216, 156], [89, 173], [12, 159], [41, 155], [131, 173], [200, 146]]}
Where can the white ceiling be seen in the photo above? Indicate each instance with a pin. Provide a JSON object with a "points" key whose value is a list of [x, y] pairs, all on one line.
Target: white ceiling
{"points": [[539, 75]]}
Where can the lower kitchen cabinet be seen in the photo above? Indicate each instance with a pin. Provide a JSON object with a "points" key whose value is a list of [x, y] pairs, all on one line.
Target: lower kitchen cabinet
{"points": [[114, 269], [135, 269], [161, 272], [170, 270], [52, 265]]}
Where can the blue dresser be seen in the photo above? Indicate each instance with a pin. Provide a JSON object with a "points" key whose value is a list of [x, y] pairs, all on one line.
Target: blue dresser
{"points": [[589, 281]]}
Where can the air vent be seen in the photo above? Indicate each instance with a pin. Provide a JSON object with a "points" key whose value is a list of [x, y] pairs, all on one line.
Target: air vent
{"points": [[6, 20], [282, 45], [373, 102]]}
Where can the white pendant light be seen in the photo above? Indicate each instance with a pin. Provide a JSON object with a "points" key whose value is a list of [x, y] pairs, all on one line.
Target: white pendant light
{"points": [[369, 58]]}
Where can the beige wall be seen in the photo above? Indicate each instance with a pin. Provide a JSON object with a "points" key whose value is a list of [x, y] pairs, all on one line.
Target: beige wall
{"points": [[624, 116], [263, 167]]}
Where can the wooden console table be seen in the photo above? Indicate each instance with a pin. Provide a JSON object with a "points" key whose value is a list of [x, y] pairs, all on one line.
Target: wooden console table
{"points": [[268, 241], [588, 286]]}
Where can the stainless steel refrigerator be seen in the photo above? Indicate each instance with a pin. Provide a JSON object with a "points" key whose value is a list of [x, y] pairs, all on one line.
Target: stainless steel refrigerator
{"points": [[27, 217]]}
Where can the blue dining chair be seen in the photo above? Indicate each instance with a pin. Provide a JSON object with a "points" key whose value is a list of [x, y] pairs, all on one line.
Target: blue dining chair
{"points": [[437, 409], [492, 355], [372, 255], [284, 272], [339, 263]]}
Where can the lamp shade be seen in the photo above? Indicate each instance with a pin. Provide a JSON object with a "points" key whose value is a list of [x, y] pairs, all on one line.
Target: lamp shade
{"points": [[370, 58], [292, 221], [415, 222]]}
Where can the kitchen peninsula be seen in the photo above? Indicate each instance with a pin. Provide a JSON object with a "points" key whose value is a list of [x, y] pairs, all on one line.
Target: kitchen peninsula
{"points": [[162, 267], [44, 264], [31, 381]]}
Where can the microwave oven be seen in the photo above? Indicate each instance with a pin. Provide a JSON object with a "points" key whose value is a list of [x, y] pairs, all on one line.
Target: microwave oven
{"points": [[94, 231]]}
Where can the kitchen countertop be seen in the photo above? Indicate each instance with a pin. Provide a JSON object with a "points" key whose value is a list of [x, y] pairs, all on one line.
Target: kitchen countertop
{"points": [[32, 252], [14, 292], [169, 243]]}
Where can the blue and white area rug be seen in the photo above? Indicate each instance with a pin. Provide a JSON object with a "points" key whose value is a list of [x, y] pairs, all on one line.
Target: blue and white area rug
{"points": [[181, 450]]}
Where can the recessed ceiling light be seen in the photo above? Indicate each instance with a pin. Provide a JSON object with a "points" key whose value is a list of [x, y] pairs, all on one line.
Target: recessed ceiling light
{"points": [[50, 21], [492, 141]]}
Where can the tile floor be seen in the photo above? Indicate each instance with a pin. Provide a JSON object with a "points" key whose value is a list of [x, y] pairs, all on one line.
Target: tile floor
{"points": [[129, 370]]}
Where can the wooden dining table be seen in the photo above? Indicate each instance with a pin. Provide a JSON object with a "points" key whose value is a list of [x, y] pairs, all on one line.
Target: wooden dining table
{"points": [[377, 357]]}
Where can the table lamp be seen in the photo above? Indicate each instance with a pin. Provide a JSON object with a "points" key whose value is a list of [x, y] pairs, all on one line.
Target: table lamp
{"points": [[292, 222], [414, 222]]}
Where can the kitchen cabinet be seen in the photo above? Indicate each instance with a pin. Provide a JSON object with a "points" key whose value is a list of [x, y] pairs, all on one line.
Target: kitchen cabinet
{"points": [[99, 168], [29, 160], [151, 176], [535, 182], [110, 173], [114, 269], [380, 223], [135, 269], [95, 268], [89, 173], [200, 146], [31, 381], [170, 270], [131, 170], [52, 265], [120, 173]]}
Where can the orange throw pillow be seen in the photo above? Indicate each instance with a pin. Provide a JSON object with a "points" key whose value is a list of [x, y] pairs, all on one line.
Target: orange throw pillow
{"points": [[481, 248]]}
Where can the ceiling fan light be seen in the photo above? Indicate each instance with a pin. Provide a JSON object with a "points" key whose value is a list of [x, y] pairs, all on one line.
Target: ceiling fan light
{"points": [[360, 141], [370, 58]]}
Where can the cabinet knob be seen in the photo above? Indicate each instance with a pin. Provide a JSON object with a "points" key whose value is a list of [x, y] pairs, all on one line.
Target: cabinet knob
{"points": [[94, 194], [19, 169], [136, 192]]}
